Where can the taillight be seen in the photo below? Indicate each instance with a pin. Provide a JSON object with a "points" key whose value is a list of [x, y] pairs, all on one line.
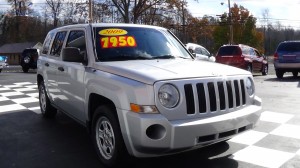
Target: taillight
{"points": [[276, 56]]}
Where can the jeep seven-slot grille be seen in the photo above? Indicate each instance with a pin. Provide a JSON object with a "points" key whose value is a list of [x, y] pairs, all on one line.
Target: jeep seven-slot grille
{"points": [[213, 96]]}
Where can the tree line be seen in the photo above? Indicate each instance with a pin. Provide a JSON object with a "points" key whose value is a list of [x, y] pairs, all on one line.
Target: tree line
{"points": [[23, 23]]}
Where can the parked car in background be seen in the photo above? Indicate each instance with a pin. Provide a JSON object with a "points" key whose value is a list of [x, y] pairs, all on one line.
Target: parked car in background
{"points": [[243, 56], [29, 58], [3, 62], [287, 58], [200, 52]]}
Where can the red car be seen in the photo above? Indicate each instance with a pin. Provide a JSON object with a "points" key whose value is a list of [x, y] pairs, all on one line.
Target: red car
{"points": [[244, 57]]}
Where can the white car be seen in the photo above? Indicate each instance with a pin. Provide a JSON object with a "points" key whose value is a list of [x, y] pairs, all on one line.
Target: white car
{"points": [[139, 91], [200, 52], [3, 63]]}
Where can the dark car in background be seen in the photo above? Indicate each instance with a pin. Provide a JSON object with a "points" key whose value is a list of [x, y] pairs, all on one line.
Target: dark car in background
{"points": [[287, 58], [29, 59], [244, 57]]}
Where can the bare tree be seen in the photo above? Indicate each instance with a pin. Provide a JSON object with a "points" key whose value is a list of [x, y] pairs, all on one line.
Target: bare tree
{"points": [[20, 7], [56, 7], [132, 10]]}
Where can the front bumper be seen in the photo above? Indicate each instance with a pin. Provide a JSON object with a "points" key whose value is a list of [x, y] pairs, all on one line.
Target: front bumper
{"points": [[149, 135]]}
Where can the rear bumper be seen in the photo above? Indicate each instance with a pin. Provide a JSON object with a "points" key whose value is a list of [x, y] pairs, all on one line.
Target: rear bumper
{"points": [[287, 66]]}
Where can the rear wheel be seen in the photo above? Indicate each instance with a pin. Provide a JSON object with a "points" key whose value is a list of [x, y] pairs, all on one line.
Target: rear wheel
{"points": [[265, 69], [107, 137], [25, 69], [295, 73], [48, 111], [279, 74]]}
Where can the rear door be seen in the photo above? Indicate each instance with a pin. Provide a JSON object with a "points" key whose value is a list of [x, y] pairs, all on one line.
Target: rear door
{"points": [[51, 64], [289, 52]]}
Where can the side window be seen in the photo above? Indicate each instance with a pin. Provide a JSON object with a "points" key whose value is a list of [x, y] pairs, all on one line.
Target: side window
{"points": [[198, 50], [257, 53], [58, 43], [47, 42], [204, 52], [77, 39]]}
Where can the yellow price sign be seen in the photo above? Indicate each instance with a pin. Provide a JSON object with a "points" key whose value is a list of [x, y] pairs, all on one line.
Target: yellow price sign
{"points": [[117, 41]]}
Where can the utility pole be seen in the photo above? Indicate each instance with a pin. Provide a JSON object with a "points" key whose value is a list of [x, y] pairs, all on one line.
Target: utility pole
{"points": [[90, 12], [230, 24], [183, 21]]}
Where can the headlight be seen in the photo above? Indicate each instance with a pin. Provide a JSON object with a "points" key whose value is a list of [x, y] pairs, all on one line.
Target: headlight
{"points": [[26, 60], [168, 95], [250, 86]]}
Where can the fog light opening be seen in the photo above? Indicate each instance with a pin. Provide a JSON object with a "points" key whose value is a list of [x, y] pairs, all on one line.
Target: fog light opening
{"points": [[156, 131]]}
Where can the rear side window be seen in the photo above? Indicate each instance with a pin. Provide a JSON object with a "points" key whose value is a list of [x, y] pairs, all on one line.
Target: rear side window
{"points": [[229, 50], [58, 43], [47, 42], [289, 47]]}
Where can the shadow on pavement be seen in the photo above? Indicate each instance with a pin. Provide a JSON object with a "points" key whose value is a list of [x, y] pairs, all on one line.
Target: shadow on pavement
{"points": [[28, 140]]}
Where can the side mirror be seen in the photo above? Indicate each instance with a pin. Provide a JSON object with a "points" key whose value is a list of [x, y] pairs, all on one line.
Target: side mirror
{"points": [[72, 54]]}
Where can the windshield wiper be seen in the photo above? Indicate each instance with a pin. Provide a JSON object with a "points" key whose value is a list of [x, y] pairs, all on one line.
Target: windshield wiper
{"points": [[167, 56], [126, 57], [170, 56]]}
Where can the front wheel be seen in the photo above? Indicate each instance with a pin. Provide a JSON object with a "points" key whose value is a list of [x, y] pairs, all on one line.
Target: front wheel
{"points": [[107, 137], [48, 111], [265, 70]]}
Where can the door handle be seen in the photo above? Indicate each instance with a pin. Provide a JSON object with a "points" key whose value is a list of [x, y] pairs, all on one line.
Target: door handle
{"points": [[46, 64], [61, 69]]}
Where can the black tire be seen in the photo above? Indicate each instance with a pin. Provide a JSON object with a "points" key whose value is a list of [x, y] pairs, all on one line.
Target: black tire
{"points": [[48, 111], [295, 74], [0, 70], [107, 137], [279, 74], [265, 69], [25, 70], [249, 68]]}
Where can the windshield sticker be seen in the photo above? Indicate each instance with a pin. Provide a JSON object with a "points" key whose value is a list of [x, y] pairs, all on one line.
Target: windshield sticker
{"points": [[112, 32], [117, 41]]}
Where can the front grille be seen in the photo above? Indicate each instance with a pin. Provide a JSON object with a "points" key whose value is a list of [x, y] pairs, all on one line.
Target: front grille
{"points": [[214, 96]]}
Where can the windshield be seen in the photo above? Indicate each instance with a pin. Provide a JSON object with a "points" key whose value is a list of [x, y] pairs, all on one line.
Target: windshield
{"points": [[136, 43]]}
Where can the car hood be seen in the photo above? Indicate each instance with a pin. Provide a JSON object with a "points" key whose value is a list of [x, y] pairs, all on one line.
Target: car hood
{"points": [[150, 71]]}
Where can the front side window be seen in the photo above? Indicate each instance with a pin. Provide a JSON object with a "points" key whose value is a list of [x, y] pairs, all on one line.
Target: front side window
{"points": [[58, 43], [77, 39], [133, 43]]}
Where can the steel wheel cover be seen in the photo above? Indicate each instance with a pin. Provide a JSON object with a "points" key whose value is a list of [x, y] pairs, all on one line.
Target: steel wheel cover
{"points": [[105, 137]]}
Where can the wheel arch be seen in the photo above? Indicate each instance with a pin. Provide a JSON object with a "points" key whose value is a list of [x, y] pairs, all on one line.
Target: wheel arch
{"points": [[96, 100]]}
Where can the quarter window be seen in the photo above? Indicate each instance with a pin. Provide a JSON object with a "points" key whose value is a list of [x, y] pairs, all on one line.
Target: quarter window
{"points": [[47, 42], [58, 43]]}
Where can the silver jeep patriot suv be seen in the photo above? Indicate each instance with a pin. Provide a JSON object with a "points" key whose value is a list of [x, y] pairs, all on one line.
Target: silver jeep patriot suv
{"points": [[139, 91]]}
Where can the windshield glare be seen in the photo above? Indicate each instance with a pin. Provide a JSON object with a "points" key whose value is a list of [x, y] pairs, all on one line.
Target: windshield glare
{"points": [[133, 43]]}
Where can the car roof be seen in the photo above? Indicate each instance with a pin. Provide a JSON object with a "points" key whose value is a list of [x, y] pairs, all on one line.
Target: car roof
{"points": [[108, 25], [193, 45]]}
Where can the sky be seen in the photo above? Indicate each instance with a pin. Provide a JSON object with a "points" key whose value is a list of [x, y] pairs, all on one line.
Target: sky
{"points": [[287, 12]]}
